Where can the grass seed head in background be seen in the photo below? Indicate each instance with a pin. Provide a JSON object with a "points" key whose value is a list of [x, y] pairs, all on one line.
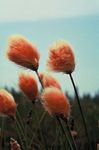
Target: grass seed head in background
{"points": [[49, 81], [61, 58], [97, 146], [7, 103], [28, 85], [55, 102], [22, 52], [14, 144]]}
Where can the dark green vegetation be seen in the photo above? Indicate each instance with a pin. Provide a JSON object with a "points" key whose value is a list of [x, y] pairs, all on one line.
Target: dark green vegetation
{"points": [[42, 132]]}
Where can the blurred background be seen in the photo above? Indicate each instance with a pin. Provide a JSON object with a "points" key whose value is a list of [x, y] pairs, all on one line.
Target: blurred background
{"points": [[44, 22]]}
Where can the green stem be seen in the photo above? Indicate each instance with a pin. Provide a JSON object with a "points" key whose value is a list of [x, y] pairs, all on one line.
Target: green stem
{"points": [[39, 79], [21, 126], [19, 134], [57, 134], [81, 111], [2, 132], [56, 116], [42, 117], [62, 128], [73, 141], [20, 121]]}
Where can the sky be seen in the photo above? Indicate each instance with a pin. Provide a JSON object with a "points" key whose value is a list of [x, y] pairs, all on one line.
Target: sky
{"points": [[43, 23], [15, 10]]}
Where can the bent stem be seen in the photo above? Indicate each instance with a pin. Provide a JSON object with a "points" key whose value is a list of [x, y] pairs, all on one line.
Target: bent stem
{"points": [[81, 110], [62, 128], [58, 119], [68, 129], [39, 79]]}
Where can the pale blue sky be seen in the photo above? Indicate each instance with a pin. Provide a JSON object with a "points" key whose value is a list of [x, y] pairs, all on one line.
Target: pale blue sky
{"points": [[43, 23], [12, 10]]}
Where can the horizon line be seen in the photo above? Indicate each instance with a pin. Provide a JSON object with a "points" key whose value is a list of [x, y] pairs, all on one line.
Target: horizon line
{"points": [[50, 19]]}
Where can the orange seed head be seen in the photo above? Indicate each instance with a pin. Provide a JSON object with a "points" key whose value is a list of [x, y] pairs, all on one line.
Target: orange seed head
{"points": [[49, 81], [61, 58], [28, 85], [55, 102], [22, 52], [7, 103]]}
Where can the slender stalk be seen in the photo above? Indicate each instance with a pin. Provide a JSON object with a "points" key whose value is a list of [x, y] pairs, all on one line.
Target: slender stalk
{"points": [[69, 132], [57, 134], [18, 131], [20, 121], [2, 132], [62, 128], [81, 110], [58, 119], [73, 141], [21, 126], [41, 119], [39, 79]]}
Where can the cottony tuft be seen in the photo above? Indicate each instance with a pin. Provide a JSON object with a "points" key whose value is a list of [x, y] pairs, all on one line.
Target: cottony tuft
{"points": [[28, 85], [22, 52], [55, 102], [61, 58], [7, 103]]}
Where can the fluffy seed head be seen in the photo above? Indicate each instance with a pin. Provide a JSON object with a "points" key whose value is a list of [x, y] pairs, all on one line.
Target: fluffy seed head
{"points": [[61, 58], [49, 81], [7, 103], [55, 102], [22, 52], [28, 85]]}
